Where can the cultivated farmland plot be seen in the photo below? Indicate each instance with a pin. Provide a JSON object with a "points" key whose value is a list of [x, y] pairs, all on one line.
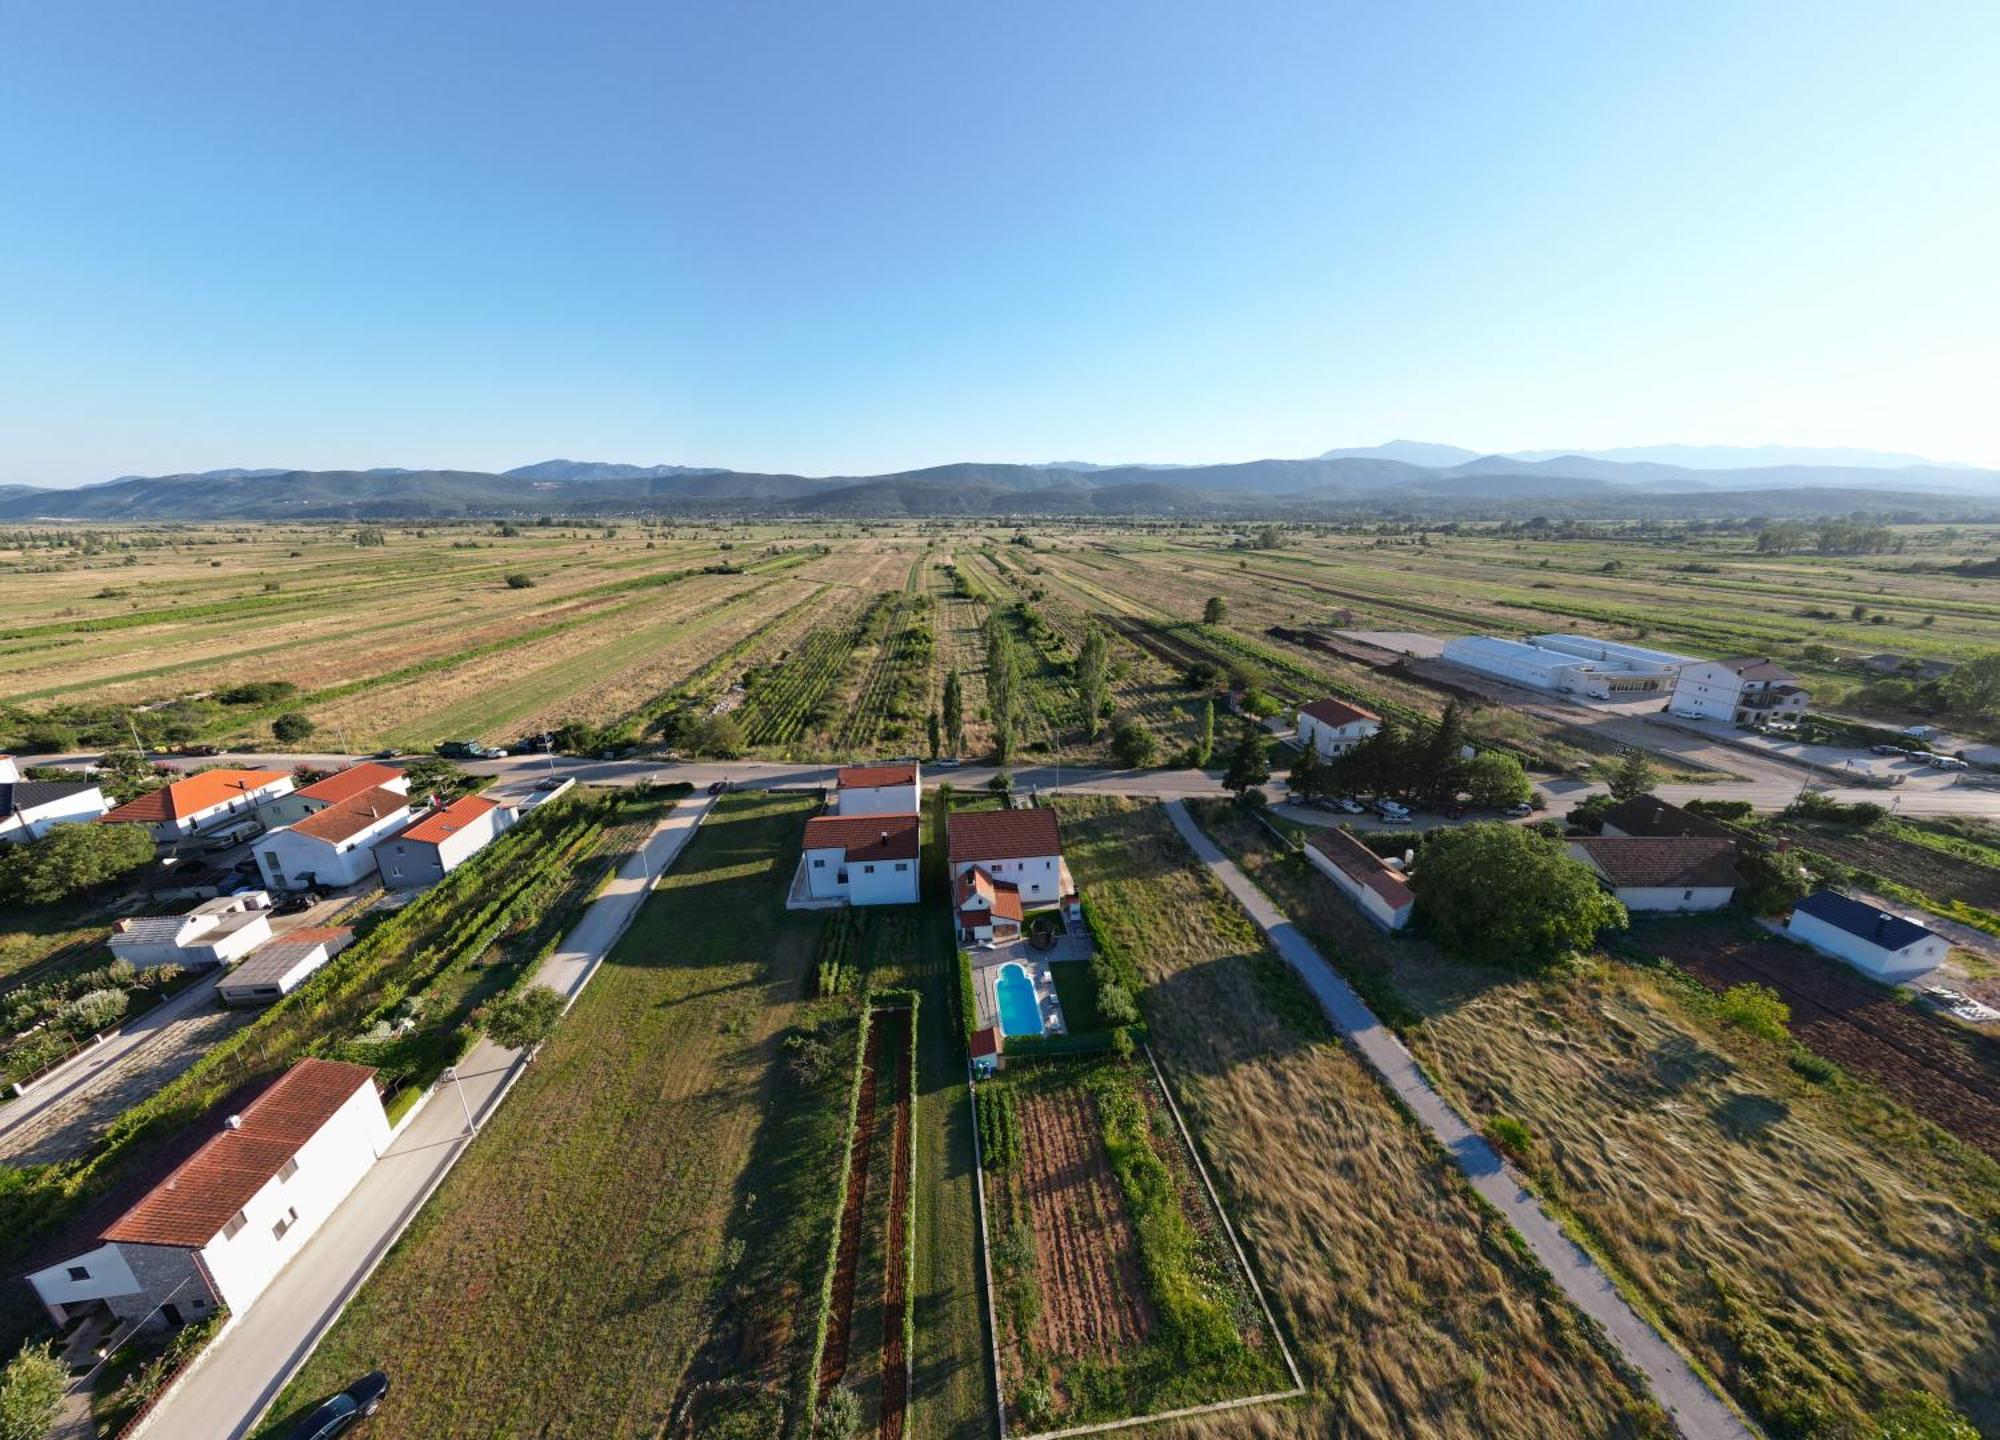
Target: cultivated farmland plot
{"points": [[1117, 1291]]}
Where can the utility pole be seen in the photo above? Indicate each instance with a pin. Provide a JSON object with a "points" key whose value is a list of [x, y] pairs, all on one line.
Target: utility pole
{"points": [[451, 1074]]}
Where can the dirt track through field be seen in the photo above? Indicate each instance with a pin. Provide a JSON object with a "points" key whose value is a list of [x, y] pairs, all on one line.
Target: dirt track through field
{"points": [[840, 1323], [1085, 1249], [895, 1284], [1950, 1079]]}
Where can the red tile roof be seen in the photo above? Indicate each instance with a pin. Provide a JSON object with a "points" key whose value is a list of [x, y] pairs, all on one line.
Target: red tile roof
{"points": [[1002, 835], [869, 777], [1362, 865], [1003, 897], [192, 795], [1759, 668], [865, 837], [351, 816], [1337, 712], [191, 1205], [1665, 862], [443, 824], [344, 784], [985, 1042]]}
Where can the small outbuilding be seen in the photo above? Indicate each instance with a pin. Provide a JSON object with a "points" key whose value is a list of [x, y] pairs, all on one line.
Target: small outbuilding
{"points": [[279, 966], [1381, 891], [893, 789], [985, 1050], [1872, 940], [215, 932]]}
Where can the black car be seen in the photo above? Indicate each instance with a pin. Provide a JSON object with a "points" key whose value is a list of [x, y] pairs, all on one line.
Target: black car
{"points": [[297, 903], [342, 1412], [389, 754]]}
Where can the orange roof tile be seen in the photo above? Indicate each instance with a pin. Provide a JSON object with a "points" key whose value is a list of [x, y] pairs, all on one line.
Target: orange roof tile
{"points": [[865, 837], [344, 784], [191, 1205], [191, 796], [351, 816], [1002, 897], [1337, 712], [868, 777], [1003, 835], [443, 824]]}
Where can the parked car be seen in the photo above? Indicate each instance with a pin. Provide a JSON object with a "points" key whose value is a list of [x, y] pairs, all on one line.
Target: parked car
{"points": [[1519, 810], [1887, 750], [469, 750], [1349, 806], [296, 903], [1395, 817], [202, 750], [1947, 762], [338, 1414], [949, 762], [1390, 810], [554, 782], [389, 752]]}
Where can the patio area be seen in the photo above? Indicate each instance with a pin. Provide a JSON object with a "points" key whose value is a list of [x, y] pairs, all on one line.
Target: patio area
{"points": [[990, 962]]}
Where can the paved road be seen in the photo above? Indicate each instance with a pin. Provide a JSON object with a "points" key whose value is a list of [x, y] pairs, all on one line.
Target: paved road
{"points": [[1772, 787], [243, 1371], [1697, 1411]]}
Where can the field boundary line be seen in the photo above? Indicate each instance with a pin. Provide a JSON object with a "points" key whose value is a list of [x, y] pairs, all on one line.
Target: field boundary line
{"points": [[390, 1240], [1228, 1226], [1696, 1407], [985, 1255]]}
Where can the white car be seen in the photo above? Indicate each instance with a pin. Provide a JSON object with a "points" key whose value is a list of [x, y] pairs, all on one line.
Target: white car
{"points": [[1350, 807]]}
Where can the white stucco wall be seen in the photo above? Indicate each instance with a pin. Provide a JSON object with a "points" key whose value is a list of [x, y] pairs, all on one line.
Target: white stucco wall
{"points": [[879, 800], [882, 882], [469, 839], [1388, 916], [1332, 740], [1649, 897], [285, 856], [1039, 878], [331, 1164], [1892, 965], [108, 1275], [69, 810]]}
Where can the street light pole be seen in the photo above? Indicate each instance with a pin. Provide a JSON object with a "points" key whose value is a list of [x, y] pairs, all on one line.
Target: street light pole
{"points": [[451, 1074]]}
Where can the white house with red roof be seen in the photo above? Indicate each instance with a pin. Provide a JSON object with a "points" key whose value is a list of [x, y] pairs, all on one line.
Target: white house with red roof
{"points": [[987, 909], [894, 789], [1748, 691], [334, 845], [1334, 727], [859, 859], [29, 809], [1377, 888], [1017, 848], [332, 789], [218, 1229], [441, 842], [202, 802]]}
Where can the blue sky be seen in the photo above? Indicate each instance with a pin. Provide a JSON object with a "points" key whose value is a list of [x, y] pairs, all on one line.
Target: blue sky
{"points": [[865, 236]]}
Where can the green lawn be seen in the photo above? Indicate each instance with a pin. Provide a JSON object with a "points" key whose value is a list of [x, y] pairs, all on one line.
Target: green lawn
{"points": [[1077, 992], [651, 1204]]}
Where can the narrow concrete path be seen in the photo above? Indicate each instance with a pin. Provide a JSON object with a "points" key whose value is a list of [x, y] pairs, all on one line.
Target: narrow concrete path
{"points": [[1696, 1410], [238, 1376]]}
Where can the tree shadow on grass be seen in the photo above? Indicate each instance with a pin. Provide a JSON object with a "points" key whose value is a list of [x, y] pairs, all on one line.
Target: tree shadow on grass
{"points": [[1744, 1116]]}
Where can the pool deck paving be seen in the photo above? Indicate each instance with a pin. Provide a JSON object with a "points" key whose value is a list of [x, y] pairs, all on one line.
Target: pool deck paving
{"points": [[1697, 1411]]}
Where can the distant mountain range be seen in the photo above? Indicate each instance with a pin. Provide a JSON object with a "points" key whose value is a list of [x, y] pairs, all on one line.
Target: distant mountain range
{"points": [[1402, 478]]}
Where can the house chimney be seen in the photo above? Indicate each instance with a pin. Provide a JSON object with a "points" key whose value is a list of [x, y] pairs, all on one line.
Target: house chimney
{"points": [[885, 837], [234, 1122]]}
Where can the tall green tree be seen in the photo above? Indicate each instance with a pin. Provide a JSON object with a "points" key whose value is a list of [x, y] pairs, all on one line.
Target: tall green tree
{"points": [[934, 732], [954, 712], [71, 859], [1308, 776], [1093, 678], [1214, 612], [1378, 765], [1003, 680], [1506, 895], [1249, 764], [1494, 780], [1973, 688], [1439, 771], [31, 1391], [1204, 748], [1636, 775]]}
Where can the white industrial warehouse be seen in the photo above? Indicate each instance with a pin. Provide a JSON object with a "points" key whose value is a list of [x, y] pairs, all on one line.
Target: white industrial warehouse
{"points": [[1579, 664]]}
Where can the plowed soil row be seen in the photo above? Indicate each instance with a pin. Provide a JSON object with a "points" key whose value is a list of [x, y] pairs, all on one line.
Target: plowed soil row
{"points": [[895, 1286], [1949, 1078], [1085, 1250], [840, 1324]]}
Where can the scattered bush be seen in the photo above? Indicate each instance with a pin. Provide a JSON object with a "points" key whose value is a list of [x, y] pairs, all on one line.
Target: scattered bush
{"points": [[1756, 1008], [1512, 1137], [519, 581], [522, 1020], [31, 1391], [292, 727]]}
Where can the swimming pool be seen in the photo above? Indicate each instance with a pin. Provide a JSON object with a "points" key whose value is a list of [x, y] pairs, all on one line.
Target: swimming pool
{"points": [[1020, 1011]]}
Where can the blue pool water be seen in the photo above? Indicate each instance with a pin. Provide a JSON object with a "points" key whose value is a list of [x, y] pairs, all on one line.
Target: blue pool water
{"points": [[1020, 1012]]}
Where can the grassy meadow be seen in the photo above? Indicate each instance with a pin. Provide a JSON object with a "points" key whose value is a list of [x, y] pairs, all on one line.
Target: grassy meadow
{"points": [[1807, 1240]]}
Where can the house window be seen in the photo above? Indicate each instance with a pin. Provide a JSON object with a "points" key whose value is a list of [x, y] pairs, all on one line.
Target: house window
{"points": [[1687, 894], [867, 869], [79, 1272], [819, 864], [236, 1223], [285, 1222], [902, 865], [287, 1170]]}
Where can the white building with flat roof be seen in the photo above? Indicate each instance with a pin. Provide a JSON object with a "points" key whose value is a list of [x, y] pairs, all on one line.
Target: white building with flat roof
{"points": [[1576, 664]]}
